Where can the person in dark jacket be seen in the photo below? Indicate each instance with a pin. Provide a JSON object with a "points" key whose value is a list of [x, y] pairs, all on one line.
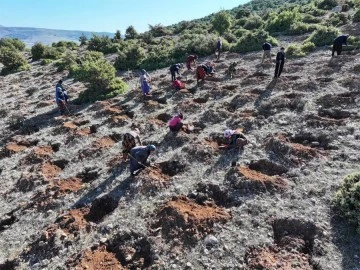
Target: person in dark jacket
{"points": [[267, 51], [175, 69], [138, 157], [191, 59], [218, 48], [61, 97], [280, 60], [338, 43]]}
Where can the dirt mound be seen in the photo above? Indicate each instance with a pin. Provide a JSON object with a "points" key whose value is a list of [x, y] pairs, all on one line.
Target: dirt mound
{"points": [[334, 113], [49, 170], [202, 150], [239, 101], [250, 181], [105, 142], [64, 186], [184, 218], [152, 179], [337, 100], [119, 120], [100, 208], [97, 259], [74, 221], [164, 117], [281, 145], [318, 121], [133, 250], [13, 148], [28, 181], [75, 129], [274, 257], [38, 155], [267, 167]]}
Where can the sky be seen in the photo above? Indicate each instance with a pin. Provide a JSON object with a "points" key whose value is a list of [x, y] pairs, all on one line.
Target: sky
{"points": [[106, 15]]}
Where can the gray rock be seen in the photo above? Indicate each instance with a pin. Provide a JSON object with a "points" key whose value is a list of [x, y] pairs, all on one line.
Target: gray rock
{"points": [[211, 241]]}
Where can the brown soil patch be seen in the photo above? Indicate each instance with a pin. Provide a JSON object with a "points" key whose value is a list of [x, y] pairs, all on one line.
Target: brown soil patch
{"points": [[12, 147], [113, 110], [116, 160], [184, 218], [43, 151], [256, 181], [83, 131], [318, 121], [99, 259], [105, 142], [120, 120], [202, 150], [49, 171], [70, 125], [152, 179], [74, 221], [64, 186], [274, 257]]}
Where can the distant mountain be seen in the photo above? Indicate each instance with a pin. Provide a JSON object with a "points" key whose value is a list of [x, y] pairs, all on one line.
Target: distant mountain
{"points": [[32, 35]]}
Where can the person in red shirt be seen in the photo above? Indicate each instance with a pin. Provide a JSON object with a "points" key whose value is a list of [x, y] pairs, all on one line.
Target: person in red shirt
{"points": [[175, 124], [177, 84], [191, 59]]}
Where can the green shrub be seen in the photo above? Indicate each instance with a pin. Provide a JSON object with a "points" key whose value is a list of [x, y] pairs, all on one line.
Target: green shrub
{"points": [[52, 53], [100, 78], [308, 18], [12, 43], [240, 32], [323, 36], [45, 62], [131, 33], [102, 44], [131, 58], [282, 22], [300, 28], [83, 39], [222, 22], [230, 37], [12, 60], [253, 41], [243, 13], [66, 62], [327, 4], [253, 22], [337, 19], [294, 51], [37, 51], [347, 199], [308, 47], [356, 17], [354, 41], [65, 44]]}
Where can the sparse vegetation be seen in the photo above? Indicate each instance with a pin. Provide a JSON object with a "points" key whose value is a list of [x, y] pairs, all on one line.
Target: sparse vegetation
{"points": [[347, 199], [222, 22], [356, 17], [252, 41], [12, 43], [323, 36], [12, 60]]}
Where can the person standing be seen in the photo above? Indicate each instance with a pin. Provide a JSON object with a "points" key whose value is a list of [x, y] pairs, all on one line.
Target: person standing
{"points": [[338, 43], [175, 69], [190, 60], [61, 97], [144, 75], [218, 48], [267, 51], [280, 60]]}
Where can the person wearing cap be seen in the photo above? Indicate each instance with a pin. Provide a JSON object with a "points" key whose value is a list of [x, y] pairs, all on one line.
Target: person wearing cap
{"points": [[190, 60], [235, 139], [338, 43], [175, 124], [129, 141], [175, 69], [138, 157], [280, 60], [61, 97], [267, 51]]}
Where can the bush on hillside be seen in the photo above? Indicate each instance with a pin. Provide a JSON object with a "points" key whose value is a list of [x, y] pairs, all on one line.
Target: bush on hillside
{"points": [[12, 43], [230, 37], [240, 32], [65, 44], [308, 18], [131, 58], [300, 28], [252, 41], [99, 76], [12, 60], [337, 19], [282, 22], [66, 62], [37, 51], [347, 199], [327, 4], [253, 22], [45, 62], [323, 36], [356, 17], [308, 47], [83, 39], [131, 33], [243, 13], [102, 44], [52, 53], [294, 51], [158, 30], [222, 22]]}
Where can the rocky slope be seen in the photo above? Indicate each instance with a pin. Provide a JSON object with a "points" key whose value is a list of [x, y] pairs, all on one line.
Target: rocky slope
{"points": [[68, 201]]}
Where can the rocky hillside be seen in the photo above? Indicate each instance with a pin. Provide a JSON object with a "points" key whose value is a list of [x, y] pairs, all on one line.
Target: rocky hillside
{"points": [[68, 201]]}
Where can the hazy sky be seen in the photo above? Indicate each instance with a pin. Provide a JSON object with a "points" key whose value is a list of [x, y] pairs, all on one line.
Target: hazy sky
{"points": [[106, 15]]}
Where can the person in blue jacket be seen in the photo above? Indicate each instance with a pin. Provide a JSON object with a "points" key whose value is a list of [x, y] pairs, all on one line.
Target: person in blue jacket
{"points": [[61, 97], [337, 44], [138, 157]]}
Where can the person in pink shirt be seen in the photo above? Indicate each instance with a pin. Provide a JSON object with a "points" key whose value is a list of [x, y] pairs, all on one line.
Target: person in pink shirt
{"points": [[175, 124]]}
